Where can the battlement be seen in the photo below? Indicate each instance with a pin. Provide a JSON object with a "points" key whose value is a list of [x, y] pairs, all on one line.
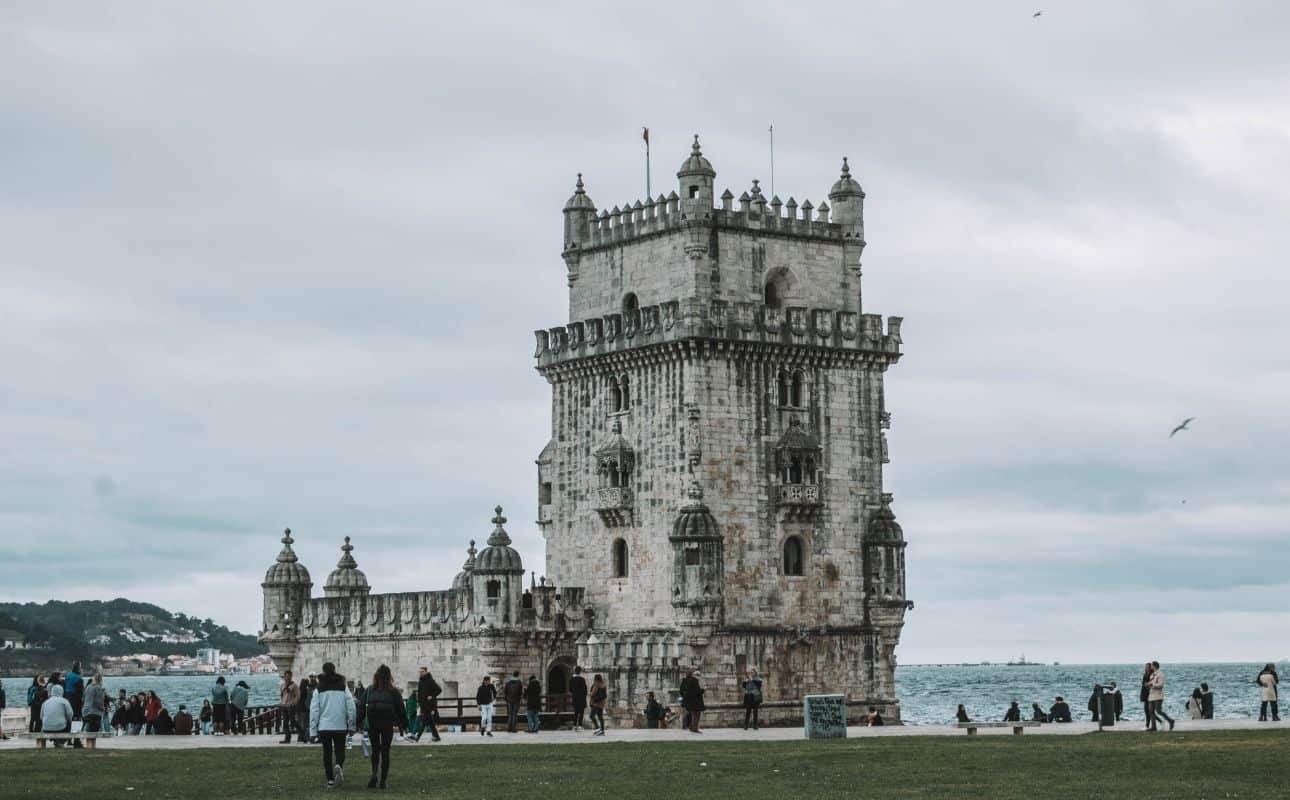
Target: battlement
{"points": [[740, 322]]}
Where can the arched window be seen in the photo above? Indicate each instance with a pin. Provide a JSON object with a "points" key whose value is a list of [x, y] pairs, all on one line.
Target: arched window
{"points": [[630, 303], [795, 470], [494, 589], [620, 558], [772, 296], [779, 286], [796, 394], [793, 555], [782, 395], [626, 394], [615, 396]]}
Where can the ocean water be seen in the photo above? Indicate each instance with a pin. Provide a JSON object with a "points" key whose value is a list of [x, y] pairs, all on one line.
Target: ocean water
{"points": [[929, 695]]}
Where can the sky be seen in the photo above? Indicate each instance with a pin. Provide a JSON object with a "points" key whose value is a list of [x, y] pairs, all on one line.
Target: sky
{"points": [[280, 264]]}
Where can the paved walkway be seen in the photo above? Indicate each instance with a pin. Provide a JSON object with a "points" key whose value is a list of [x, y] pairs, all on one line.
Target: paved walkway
{"points": [[641, 735]]}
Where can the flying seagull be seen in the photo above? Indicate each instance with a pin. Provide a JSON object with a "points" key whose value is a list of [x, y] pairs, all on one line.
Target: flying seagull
{"points": [[1037, 13], [1182, 427]]}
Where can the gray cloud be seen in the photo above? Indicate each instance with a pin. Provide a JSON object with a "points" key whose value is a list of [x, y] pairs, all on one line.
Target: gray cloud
{"points": [[280, 267]]}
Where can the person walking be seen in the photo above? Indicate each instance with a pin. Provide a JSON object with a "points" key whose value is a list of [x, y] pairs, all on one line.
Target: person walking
{"points": [[1267, 683], [288, 699], [1145, 694], [599, 698], [1193, 704], [428, 691], [1206, 702], [578, 695], [533, 704], [56, 714], [485, 696], [513, 691], [219, 702], [752, 699], [692, 699], [384, 712], [94, 707], [1156, 696], [206, 719], [332, 716], [36, 696], [238, 700]]}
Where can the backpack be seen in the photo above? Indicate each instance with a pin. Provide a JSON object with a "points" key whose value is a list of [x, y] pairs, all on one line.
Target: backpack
{"points": [[32, 690]]}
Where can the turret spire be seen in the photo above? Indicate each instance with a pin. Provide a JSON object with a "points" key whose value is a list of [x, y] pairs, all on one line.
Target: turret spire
{"points": [[347, 559], [287, 556], [499, 537]]}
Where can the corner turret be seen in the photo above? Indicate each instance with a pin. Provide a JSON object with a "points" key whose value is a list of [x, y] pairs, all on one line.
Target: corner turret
{"points": [[286, 590], [579, 213], [696, 177], [347, 579], [497, 578]]}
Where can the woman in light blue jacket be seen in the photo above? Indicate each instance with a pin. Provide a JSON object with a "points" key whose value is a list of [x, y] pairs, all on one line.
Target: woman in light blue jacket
{"points": [[332, 716]]}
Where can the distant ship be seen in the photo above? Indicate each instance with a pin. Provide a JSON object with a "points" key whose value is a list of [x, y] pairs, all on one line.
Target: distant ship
{"points": [[1021, 662]]}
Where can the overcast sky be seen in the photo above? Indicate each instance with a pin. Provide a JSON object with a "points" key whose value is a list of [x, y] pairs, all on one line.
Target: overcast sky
{"points": [[279, 264]]}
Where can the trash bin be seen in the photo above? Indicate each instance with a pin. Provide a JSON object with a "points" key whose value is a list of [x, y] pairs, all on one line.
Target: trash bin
{"points": [[1106, 707]]}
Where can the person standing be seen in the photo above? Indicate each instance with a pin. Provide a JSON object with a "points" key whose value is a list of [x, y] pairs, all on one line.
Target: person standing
{"points": [[384, 712], [3, 703], [578, 695], [1267, 682], [238, 700], [151, 710], [56, 713], [288, 699], [332, 716], [1193, 704], [94, 706], [1206, 702], [533, 703], [655, 712], [599, 698], [692, 700], [219, 701], [205, 718], [307, 687], [485, 696], [513, 691], [36, 695], [138, 718], [1156, 696], [752, 699], [428, 691], [74, 689], [1117, 699]]}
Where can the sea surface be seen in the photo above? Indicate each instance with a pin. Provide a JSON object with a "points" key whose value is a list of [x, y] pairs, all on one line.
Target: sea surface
{"points": [[929, 695]]}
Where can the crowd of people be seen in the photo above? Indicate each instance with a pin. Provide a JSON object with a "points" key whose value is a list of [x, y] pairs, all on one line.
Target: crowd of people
{"points": [[1198, 705]]}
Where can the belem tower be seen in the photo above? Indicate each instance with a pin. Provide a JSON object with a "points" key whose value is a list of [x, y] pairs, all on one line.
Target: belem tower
{"points": [[711, 495]]}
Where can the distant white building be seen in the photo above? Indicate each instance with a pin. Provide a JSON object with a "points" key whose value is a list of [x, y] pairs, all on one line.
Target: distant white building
{"points": [[209, 656]]}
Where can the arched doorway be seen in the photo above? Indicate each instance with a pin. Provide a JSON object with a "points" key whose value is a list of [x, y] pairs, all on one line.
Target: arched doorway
{"points": [[557, 684]]}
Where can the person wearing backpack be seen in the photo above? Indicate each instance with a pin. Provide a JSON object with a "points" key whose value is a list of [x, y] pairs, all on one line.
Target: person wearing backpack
{"points": [[752, 699], [35, 698], [384, 712]]}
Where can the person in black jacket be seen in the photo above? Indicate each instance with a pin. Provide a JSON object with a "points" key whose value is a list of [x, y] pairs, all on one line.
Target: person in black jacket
{"points": [[307, 688], [1037, 713], [1060, 712], [1206, 702], [578, 694], [533, 703], [961, 715], [384, 711], [485, 696], [428, 703], [1145, 694], [1013, 714], [692, 700]]}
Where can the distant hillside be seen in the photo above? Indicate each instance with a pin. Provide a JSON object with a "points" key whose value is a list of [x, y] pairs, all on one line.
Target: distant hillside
{"points": [[92, 628]]}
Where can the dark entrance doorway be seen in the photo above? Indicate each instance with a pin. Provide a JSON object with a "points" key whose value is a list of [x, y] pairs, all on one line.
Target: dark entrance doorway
{"points": [[557, 684]]}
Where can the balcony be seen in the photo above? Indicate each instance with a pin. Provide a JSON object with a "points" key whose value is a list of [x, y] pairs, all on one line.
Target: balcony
{"points": [[799, 499], [614, 505], [544, 513]]}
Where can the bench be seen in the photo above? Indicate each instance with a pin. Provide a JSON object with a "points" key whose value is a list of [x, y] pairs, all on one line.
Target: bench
{"points": [[1017, 727], [42, 737]]}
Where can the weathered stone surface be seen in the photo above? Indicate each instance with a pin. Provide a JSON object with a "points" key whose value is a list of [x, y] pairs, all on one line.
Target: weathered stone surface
{"points": [[824, 716], [713, 476]]}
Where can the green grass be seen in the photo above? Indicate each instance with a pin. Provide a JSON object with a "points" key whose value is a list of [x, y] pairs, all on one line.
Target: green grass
{"points": [[1238, 764]]}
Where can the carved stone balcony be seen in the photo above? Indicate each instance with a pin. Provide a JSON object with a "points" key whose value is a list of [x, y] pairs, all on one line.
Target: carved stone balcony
{"points": [[544, 514], [798, 499], [614, 505]]}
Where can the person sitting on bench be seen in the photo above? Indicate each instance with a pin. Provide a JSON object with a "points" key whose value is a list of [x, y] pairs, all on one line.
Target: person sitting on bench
{"points": [[56, 714]]}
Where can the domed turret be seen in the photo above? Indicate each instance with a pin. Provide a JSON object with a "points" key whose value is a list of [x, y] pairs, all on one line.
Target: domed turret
{"points": [[287, 570], [462, 581], [696, 177], [848, 204], [347, 579], [695, 521], [578, 215], [883, 527], [883, 548], [497, 579], [698, 579], [498, 556]]}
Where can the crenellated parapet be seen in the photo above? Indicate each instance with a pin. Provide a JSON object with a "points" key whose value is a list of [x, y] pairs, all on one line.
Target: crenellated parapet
{"points": [[740, 322]]}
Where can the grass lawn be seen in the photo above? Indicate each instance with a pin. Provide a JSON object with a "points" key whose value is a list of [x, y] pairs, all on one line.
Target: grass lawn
{"points": [[1237, 764]]}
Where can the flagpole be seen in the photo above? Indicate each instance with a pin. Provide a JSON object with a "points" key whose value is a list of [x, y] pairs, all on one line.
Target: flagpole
{"points": [[772, 160], [648, 194]]}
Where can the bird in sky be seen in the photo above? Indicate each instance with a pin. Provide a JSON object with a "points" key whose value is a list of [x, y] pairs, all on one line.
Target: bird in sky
{"points": [[1037, 13], [1182, 427]]}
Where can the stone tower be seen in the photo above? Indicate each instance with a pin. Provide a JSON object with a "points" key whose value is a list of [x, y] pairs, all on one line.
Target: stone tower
{"points": [[714, 473], [286, 590]]}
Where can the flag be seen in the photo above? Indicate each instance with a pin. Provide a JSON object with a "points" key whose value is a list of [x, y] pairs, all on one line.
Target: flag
{"points": [[645, 134]]}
